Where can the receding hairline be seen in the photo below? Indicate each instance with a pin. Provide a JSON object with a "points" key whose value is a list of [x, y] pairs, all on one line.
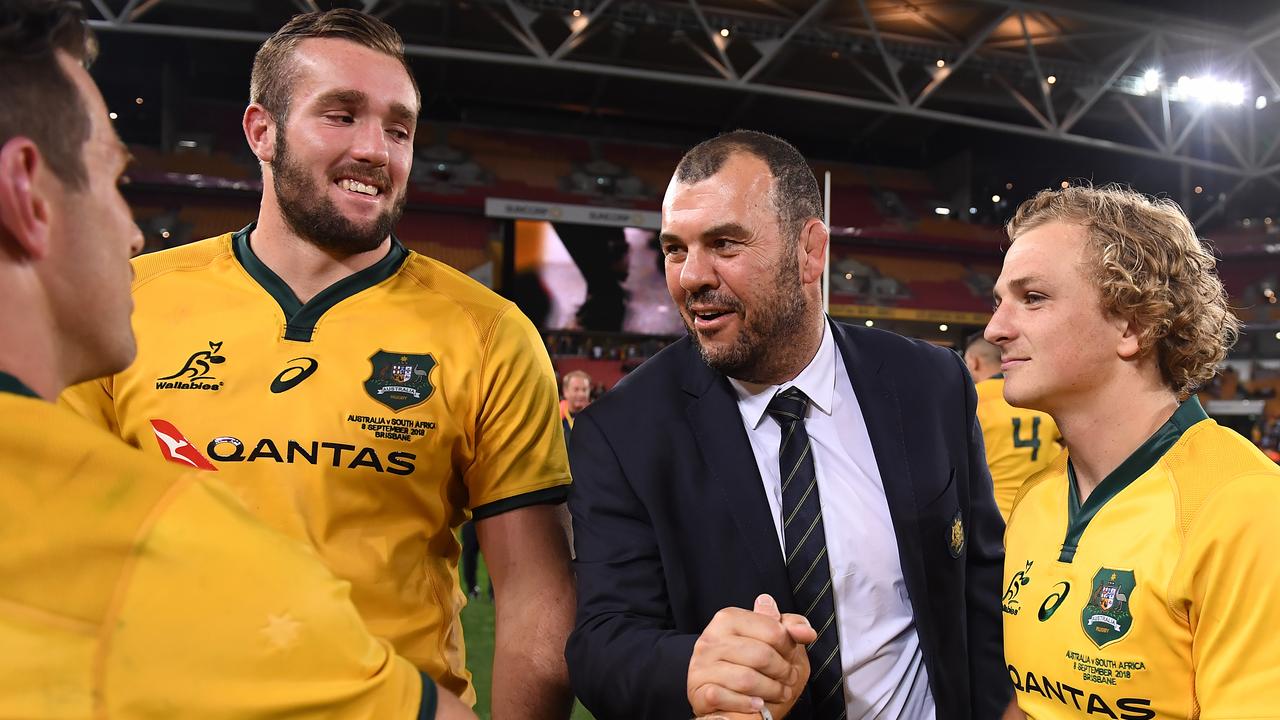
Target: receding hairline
{"points": [[296, 62]]}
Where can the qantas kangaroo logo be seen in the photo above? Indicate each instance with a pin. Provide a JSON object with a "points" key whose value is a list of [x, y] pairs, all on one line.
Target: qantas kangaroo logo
{"points": [[176, 448]]}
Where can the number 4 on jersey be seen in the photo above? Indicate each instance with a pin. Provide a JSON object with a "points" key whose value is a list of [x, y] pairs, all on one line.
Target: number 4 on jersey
{"points": [[1033, 442]]}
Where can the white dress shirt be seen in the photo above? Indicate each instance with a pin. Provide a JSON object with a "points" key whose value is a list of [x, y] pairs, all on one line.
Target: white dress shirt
{"points": [[884, 673]]}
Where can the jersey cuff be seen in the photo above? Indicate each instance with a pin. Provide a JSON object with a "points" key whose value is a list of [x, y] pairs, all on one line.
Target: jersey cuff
{"points": [[547, 496], [427, 710]]}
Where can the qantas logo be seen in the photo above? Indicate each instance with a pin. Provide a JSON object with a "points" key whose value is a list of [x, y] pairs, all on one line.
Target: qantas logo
{"points": [[176, 448]]}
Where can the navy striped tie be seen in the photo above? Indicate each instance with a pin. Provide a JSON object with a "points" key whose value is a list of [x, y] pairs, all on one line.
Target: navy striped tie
{"points": [[806, 553]]}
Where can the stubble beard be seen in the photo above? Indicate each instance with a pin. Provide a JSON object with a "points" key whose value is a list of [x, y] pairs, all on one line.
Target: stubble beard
{"points": [[768, 335], [313, 216]]}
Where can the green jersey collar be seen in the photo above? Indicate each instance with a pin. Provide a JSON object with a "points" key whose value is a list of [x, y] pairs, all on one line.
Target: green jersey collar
{"points": [[1147, 455], [301, 319], [11, 384]]}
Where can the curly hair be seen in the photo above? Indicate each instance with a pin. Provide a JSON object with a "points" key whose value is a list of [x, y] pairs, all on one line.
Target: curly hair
{"points": [[41, 101], [1151, 269], [273, 75]]}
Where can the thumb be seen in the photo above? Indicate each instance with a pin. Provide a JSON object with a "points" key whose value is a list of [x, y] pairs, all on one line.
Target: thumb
{"points": [[799, 628], [766, 605]]}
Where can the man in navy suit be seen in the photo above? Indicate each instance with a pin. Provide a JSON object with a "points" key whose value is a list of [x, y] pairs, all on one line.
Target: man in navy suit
{"points": [[777, 461]]}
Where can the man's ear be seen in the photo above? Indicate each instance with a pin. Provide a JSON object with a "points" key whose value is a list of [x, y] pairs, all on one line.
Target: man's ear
{"points": [[1129, 343], [25, 205], [260, 131], [814, 243]]}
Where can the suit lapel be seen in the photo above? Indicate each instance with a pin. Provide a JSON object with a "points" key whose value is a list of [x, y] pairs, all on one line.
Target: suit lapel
{"points": [[717, 426], [878, 399]]}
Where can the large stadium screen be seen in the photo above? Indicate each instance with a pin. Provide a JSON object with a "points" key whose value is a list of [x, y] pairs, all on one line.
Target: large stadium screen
{"points": [[567, 276]]}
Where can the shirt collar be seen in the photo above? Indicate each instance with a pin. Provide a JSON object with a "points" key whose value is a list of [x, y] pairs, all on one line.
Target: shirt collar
{"points": [[817, 380], [11, 384]]}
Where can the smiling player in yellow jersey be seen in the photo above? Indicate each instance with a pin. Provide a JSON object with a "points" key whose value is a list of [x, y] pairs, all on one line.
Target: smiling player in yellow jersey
{"points": [[1140, 567], [1019, 442], [353, 394], [129, 589]]}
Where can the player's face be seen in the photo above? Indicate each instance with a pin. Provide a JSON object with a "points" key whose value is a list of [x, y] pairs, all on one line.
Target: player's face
{"points": [[94, 235], [342, 158], [734, 278], [1057, 346], [577, 391]]}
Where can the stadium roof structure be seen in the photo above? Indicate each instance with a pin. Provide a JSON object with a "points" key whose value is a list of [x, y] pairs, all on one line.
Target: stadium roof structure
{"points": [[1171, 81]]}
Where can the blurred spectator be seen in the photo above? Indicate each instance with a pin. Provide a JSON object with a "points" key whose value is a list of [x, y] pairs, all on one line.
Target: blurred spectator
{"points": [[576, 391]]}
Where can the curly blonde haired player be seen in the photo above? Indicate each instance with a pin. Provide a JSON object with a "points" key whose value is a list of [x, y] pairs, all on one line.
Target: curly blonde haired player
{"points": [[1140, 575], [129, 589]]}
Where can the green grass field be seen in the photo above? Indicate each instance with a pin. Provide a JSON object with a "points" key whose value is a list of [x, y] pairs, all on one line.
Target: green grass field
{"points": [[477, 627]]}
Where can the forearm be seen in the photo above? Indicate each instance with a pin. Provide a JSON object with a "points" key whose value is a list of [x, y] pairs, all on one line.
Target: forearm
{"points": [[530, 678]]}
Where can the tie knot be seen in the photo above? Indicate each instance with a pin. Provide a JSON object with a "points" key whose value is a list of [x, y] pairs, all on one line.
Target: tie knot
{"points": [[789, 405]]}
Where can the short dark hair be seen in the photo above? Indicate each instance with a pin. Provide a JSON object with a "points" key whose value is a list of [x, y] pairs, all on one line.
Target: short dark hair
{"points": [[795, 192], [41, 101], [271, 82], [977, 343]]}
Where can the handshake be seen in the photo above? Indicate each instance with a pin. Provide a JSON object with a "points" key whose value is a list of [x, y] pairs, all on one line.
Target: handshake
{"points": [[749, 662]]}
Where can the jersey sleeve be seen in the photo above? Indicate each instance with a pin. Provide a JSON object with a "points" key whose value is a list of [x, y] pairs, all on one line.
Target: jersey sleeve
{"points": [[1231, 577], [220, 617], [520, 456], [93, 401]]}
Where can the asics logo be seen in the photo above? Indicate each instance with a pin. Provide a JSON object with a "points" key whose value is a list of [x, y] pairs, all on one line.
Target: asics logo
{"points": [[291, 376], [1055, 599]]}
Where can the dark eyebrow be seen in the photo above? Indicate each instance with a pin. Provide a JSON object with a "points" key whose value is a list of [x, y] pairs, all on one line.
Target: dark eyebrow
{"points": [[401, 112], [343, 97], [356, 98], [730, 229]]}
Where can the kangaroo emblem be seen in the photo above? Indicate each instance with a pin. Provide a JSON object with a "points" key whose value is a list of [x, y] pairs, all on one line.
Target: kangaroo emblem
{"points": [[198, 365]]}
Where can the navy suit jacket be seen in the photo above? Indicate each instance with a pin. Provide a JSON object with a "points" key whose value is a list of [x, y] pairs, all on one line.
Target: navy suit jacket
{"points": [[671, 524]]}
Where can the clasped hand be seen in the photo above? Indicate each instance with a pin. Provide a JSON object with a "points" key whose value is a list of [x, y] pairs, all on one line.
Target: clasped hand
{"points": [[749, 659]]}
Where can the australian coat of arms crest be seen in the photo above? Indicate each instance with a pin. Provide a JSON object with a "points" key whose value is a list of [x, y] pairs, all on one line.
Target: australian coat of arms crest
{"points": [[400, 380], [1106, 617]]}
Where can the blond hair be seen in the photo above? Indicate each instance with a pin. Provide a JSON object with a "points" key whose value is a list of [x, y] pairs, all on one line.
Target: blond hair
{"points": [[1152, 270]]}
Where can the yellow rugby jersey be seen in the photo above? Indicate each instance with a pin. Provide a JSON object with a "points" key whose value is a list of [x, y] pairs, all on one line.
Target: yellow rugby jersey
{"points": [[129, 589], [369, 421], [1020, 442], [1156, 597]]}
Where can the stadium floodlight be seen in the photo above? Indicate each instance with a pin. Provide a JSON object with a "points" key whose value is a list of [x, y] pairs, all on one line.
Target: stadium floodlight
{"points": [[942, 211], [1260, 103], [1151, 80], [1209, 90]]}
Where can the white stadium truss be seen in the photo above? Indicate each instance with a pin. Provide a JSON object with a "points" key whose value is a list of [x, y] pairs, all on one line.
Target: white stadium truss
{"points": [[979, 63]]}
